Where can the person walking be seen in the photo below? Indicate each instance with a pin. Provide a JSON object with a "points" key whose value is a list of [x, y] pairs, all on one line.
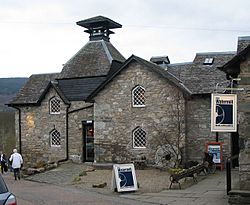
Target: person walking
{"points": [[17, 162], [3, 162]]}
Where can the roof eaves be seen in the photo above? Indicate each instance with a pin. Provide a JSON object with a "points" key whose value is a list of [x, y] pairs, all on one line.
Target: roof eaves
{"points": [[236, 59], [60, 93], [43, 93], [150, 65], [14, 105], [169, 76]]}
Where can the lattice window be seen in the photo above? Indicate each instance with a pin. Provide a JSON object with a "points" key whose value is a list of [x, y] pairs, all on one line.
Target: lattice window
{"points": [[138, 96], [55, 106], [55, 138], [139, 138]]}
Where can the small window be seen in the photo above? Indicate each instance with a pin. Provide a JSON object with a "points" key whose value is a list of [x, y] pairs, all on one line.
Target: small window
{"points": [[55, 106], [55, 138], [208, 61], [138, 96], [139, 138]]}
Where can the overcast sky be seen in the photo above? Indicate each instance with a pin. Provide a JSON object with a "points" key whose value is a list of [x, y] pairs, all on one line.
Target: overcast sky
{"points": [[40, 36]]}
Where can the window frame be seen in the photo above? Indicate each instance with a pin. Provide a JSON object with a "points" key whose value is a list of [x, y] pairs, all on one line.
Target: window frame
{"points": [[136, 97], [208, 61], [51, 138], [50, 106], [133, 138]]}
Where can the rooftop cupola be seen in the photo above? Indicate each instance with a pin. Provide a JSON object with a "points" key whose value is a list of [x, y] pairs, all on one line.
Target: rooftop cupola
{"points": [[99, 27]]}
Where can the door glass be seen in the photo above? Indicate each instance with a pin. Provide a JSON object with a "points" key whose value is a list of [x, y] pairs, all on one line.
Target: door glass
{"points": [[89, 143]]}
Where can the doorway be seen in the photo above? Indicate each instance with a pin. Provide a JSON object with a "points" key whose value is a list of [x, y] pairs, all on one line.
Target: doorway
{"points": [[88, 141], [235, 148]]}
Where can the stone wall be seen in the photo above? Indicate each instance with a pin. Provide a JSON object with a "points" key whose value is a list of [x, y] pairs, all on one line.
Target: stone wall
{"points": [[36, 125], [198, 113], [244, 127], [78, 112], [115, 118]]}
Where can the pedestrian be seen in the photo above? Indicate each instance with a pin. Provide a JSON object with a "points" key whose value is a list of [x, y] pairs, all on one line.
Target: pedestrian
{"points": [[3, 162], [17, 162]]}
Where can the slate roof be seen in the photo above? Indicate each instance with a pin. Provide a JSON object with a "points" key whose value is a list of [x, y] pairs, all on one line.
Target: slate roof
{"points": [[233, 66], [200, 78], [94, 59], [34, 89], [77, 89]]}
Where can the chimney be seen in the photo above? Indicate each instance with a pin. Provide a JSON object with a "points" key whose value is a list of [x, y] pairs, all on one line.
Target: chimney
{"points": [[160, 60], [99, 27], [243, 42]]}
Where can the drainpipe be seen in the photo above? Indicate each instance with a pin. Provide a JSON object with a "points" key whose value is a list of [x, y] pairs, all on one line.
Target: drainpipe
{"points": [[67, 129], [67, 136], [19, 128]]}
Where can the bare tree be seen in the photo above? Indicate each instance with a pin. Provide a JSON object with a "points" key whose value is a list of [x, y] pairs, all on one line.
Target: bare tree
{"points": [[171, 136]]}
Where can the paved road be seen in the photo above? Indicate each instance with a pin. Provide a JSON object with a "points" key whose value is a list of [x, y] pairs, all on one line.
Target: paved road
{"points": [[36, 193], [52, 188]]}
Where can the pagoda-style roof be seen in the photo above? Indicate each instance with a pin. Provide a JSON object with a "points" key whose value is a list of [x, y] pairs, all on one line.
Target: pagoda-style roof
{"points": [[99, 27], [94, 59], [98, 21]]}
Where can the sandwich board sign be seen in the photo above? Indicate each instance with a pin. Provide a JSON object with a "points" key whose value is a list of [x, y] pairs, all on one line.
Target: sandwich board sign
{"points": [[123, 177], [215, 149], [224, 112]]}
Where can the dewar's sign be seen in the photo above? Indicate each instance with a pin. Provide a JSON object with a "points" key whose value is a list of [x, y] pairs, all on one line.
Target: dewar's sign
{"points": [[224, 113]]}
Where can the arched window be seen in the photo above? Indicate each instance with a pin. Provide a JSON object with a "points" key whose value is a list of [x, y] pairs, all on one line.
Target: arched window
{"points": [[55, 138], [55, 105], [138, 96], [139, 138]]}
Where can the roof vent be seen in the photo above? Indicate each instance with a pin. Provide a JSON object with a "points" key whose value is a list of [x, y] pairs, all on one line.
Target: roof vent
{"points": [[99, 27], [208, 61], [160, 60]]}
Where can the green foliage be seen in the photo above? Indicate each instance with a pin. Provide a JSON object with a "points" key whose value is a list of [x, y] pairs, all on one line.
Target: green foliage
{"points": [[8, 88], [7, 132], [76, 179], [175, 170], [83, 173]]}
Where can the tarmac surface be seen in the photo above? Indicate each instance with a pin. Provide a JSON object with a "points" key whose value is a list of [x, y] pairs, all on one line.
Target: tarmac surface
{"points": [[210, 189]]}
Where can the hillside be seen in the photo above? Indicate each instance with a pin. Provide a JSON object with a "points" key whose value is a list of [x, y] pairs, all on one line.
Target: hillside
{"points": [[8, 88]]}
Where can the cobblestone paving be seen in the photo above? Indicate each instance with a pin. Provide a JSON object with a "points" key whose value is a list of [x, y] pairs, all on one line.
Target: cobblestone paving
{"points": [[150, 180], [63, 174]]}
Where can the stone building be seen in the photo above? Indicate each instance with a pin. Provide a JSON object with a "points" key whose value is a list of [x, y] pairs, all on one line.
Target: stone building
{"points": [[239, 67], [104, 108]]}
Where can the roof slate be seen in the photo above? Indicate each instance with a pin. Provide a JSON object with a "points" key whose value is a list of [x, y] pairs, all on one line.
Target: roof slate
{"points": [[232, 66], [199, 78], [34, 89], [93, 59], [78, 89]]}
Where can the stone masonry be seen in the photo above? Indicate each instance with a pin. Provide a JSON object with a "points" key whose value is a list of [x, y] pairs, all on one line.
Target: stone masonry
{"points": [[244, 119], [115, 118], [198, 112], [36, 124]]}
